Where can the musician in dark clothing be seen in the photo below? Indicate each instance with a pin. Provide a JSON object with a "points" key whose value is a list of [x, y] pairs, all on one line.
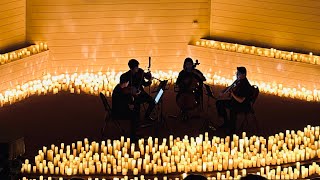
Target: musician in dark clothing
{"points": [[122, 105], [136, 77], [122, 102], [239, 100], [190, 79]]}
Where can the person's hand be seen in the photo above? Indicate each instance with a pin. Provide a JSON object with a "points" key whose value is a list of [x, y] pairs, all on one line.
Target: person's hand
{"points": [[131, 106], [148, 76], [195, 72]]}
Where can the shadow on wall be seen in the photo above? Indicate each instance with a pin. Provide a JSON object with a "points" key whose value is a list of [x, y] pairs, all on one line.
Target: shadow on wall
{"points": [[15, 47]]}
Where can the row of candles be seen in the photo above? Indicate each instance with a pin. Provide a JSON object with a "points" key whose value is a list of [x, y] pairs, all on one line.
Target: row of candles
{"points": [[269, 173], [22, 53], [273, 173], [187, 155], [273, 53], [105, 82]]}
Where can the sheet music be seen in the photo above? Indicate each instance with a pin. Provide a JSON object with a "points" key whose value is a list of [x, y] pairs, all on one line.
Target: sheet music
{"points": [[157, 98]]}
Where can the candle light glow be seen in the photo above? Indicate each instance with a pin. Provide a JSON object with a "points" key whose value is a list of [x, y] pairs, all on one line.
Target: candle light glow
{"points": [[266, 52], [90, 83], [22, 53], [189, 155]]}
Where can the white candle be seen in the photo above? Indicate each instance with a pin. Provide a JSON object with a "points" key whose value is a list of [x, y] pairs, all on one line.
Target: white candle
{"points": [[135, 171], [45, 46], [41, 46]]}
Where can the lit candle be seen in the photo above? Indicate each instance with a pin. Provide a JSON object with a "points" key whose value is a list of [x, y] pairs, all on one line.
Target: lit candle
{"points": [[34, 169], [135, 171], [41, 46], [45, 46], [29, 168]]}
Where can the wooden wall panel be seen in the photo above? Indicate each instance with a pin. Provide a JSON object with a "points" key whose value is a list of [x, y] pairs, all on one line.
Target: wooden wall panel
{"points": [[12, 23], [23, 70], [106, 34], [289, 25], [261, 69]]}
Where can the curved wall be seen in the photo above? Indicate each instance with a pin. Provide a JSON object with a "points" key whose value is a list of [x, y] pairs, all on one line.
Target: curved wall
{"points": [[261, 69], [101, 35], [23, 70], [287, 24]]}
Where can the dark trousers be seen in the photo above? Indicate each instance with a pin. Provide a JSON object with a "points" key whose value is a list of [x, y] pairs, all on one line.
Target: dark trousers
{"points": [[144, 98], [133, 117], [134, 125], [234, 107]]}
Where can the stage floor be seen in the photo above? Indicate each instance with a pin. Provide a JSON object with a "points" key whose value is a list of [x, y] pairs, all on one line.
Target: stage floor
{"points": [[64, 117]]}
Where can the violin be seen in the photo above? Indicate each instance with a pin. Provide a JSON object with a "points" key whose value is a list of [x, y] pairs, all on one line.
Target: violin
{"points": [[135, 88], [144, 75], [133, 91], [147, 75], [233, 87]]}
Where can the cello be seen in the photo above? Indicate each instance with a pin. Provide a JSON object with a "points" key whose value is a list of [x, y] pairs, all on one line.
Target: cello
{"points": [[186, 97]]}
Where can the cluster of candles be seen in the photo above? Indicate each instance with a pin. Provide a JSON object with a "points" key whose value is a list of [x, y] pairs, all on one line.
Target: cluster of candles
{"points": [[182, 156], [22, 53], [90, 83], [273, 53]]}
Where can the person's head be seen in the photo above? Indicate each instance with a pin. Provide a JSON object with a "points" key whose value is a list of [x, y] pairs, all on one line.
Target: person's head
{"points": [[188, 64], [253, 177], [195, 177], [123, 81], [241, 72], [133, 65]]}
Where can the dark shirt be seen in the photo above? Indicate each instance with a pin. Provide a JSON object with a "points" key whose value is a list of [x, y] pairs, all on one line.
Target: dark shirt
{"points": [[137, 80], [120, 104], [244, 89], [185, 76]]}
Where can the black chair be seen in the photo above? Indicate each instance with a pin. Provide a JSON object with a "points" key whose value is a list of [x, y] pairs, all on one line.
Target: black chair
{"points": [[245, 123], [108, 116]]}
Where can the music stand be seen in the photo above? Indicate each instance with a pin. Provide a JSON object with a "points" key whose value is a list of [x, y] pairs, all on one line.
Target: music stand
{"points": [[210, 94], [160, 121], [162, 85], [158, 96], [209, 91]]}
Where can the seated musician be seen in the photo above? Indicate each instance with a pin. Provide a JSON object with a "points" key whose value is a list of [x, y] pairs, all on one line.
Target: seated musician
{"points": [[136, 77], [238, 101], [187, 77], [122, 104]]}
